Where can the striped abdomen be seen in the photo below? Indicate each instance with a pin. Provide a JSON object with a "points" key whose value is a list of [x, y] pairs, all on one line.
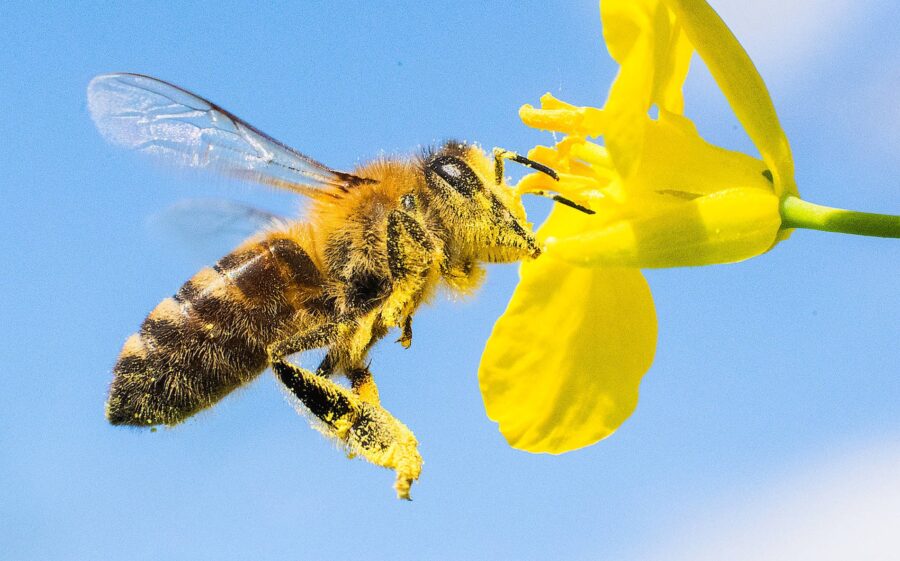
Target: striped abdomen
{"points": [[211, 337]]}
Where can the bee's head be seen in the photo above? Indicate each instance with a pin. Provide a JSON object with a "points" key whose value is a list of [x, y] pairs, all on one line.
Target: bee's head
{"points": [[481, 214]]}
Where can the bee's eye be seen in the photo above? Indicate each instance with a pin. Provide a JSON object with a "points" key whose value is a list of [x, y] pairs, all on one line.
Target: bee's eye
{"points": [[457, 174]]}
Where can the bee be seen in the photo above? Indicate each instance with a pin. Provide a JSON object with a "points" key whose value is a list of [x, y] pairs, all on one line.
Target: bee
{"points": [[373, 245]]}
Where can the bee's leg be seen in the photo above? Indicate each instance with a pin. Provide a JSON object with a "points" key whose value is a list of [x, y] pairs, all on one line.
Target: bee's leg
{"points": [[326, 367], [363, 385], [411, 256], [329, 402], [499, 155], [406, 332], [361, 380], [367, 429], [317, 338], [321, 396]]}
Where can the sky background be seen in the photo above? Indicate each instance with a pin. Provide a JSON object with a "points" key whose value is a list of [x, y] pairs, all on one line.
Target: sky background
{"points": [[768, 427]]}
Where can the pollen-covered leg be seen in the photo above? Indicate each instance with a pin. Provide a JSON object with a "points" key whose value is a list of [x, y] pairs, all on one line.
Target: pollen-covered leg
{"points": [[367, 429], [411, 256], [405, 339], [363, 385], [314, 339], [383, 440]]}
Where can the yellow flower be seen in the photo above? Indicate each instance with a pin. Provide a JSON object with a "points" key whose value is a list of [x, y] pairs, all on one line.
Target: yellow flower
{"points": [[562, 367], [664, 196]]}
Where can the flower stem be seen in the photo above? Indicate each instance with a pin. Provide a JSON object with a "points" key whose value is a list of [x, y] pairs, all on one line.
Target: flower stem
{"points": [[797, 213]]}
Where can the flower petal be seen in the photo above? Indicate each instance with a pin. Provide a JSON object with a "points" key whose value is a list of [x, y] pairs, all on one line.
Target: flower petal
{"points": [[654, 55], [742, 85], [673, 62], [628, 31], [563, 364], [677, 158], [723, 227]]}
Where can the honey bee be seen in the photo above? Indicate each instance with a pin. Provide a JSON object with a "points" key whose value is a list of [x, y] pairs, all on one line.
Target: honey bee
{"points": [[373, 245]]}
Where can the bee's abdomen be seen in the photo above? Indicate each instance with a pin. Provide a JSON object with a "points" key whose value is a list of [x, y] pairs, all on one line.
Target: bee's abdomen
{"points": [[211, 337]]}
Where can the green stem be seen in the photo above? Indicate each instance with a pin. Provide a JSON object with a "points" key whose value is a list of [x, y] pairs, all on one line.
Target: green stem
{"points": [[797, 213]]}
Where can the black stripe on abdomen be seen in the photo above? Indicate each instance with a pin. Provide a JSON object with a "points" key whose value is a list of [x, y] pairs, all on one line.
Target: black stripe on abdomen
{"points": [[211, 336]]}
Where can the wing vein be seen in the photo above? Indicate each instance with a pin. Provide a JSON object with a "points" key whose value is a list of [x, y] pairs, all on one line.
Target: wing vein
{"points": [[155, 117]]}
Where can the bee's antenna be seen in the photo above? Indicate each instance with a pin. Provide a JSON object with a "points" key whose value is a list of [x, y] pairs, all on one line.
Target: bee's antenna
{"points": [[537, 166], [563, 201], [501, 154], [570, 203]]}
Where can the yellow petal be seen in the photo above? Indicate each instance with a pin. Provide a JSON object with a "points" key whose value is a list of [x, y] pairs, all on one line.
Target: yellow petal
{"points": [[647, 42], [564, 222], [723, 227], [742, 85], [673, 63], [645, 33], [627, 28], [677, 158], [625, 23], [563, 364]]}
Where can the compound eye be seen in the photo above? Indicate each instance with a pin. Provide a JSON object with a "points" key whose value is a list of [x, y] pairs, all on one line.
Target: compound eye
{"points": [[457, 174]]}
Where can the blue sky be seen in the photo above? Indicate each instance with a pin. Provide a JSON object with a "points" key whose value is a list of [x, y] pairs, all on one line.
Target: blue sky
{"points": [[767, 427]]}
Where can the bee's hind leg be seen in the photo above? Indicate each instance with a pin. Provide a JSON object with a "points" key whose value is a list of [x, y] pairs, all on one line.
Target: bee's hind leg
{"points": [[361, 380], [367, 429], [363, 385]]}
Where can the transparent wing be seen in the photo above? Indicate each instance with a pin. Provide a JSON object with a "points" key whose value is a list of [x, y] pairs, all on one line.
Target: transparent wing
{"points": [[203, 229], [211, 219], [158, 118]]}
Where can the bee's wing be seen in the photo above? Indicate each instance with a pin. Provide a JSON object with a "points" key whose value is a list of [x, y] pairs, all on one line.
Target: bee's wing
{"points": [[204, 228], [158, 118], [211, 219]]}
